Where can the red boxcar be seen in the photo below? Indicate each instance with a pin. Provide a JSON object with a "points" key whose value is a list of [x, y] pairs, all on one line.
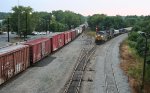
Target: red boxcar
{"points": [[54, 40], [66, 37], [13, 59], [69, 36], [39, 48], [58, 40], [61, 40], [73, 34]]}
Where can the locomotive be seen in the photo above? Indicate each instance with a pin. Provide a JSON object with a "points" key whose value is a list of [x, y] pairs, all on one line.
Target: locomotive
{"points": [[103, 36]]}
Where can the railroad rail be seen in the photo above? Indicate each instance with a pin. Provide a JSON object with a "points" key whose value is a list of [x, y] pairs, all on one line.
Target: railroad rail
{"points": [[75, 81], [110, 80]]}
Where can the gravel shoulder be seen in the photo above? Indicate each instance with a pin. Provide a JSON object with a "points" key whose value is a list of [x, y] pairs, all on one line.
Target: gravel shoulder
{"points": [[48, 75]]}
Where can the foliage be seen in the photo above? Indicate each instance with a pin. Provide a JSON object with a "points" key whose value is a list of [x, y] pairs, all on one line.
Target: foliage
{"points": [[130, 21], [56, 21], [143, 24], [96, 20], [18, 20], [133, 36], [3, 15], [104, 22], [90, 33], [68, 18]]}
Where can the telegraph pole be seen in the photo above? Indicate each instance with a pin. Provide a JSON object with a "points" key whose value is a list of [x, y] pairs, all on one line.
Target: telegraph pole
{"points": [[8, 28]]}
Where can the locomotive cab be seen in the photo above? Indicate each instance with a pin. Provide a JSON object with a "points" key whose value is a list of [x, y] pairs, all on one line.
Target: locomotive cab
{"points": [[101, 36]]}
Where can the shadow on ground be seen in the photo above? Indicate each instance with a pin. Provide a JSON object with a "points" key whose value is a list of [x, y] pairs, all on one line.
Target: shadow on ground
{"points": [[44, 62]]}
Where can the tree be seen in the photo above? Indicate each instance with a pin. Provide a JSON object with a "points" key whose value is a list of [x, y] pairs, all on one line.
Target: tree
{"points": [[68, 18], [18, 20], [3, 15], [97, 20], [104, 22]]}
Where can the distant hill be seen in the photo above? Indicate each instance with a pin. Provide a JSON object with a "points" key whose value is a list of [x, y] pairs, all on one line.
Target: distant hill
{"points": [[3, 15]]}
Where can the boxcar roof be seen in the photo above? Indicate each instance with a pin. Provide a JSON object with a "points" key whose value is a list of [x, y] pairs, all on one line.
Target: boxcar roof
{"points": [[36, 41], [11, 48]]}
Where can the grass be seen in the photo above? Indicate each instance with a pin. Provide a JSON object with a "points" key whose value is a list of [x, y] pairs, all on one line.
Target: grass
{"points": [[135, 68], [91, 33], [132, 65]]}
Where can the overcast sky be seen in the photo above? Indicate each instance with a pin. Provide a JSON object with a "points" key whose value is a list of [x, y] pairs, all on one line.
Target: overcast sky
{"points": [[84, 7]]}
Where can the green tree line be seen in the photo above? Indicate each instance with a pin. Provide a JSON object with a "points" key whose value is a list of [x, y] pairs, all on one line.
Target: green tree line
{"points": [[23, 18], [104, 22]]}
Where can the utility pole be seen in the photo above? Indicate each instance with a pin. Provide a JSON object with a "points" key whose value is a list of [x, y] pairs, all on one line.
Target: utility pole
{"points": [[18, 19], [8, 28], [46, 26], [145, 61], [25, 33]]}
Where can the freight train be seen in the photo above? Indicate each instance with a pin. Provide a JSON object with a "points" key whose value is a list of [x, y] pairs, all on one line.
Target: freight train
{"points": [[17, 58], [103, 36]]}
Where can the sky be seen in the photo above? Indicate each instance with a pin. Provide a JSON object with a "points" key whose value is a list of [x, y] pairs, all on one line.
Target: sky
{"points": [[84, 7]]}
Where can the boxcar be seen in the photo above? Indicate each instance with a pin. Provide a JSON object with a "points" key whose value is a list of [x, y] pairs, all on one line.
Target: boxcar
{"points": [[61, 39], [39, 48], [13, 59], [69, 36], [73, 34], [58, 40], [66, 34], [54, 40]]}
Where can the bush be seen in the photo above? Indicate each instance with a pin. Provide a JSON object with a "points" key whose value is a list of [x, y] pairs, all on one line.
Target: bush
{"points": [[140, 46], [147, 75], [133, 36], [132, 44]]}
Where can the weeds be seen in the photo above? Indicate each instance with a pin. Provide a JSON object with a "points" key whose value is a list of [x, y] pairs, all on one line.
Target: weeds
{"points": [[91, 33]]}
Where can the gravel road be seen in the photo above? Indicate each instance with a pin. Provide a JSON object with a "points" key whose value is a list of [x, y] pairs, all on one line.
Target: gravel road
{"points": [[48, 75], [109, 78]]}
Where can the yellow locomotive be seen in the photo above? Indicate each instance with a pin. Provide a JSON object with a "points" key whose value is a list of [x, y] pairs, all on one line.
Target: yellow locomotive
{"points": [[101, 36]]}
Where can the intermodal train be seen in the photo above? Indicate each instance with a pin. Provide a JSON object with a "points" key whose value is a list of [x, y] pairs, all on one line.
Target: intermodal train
{"points": [[17, 58], [103, 36]]}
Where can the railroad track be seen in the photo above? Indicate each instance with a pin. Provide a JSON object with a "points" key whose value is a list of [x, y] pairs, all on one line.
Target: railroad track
{"points": [[110, 80], [75, 81]]}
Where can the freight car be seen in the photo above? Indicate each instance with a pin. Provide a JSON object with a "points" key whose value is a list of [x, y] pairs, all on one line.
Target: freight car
{"points": [[13, 60], [39, 48], [17, 58], [116, 32]]}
